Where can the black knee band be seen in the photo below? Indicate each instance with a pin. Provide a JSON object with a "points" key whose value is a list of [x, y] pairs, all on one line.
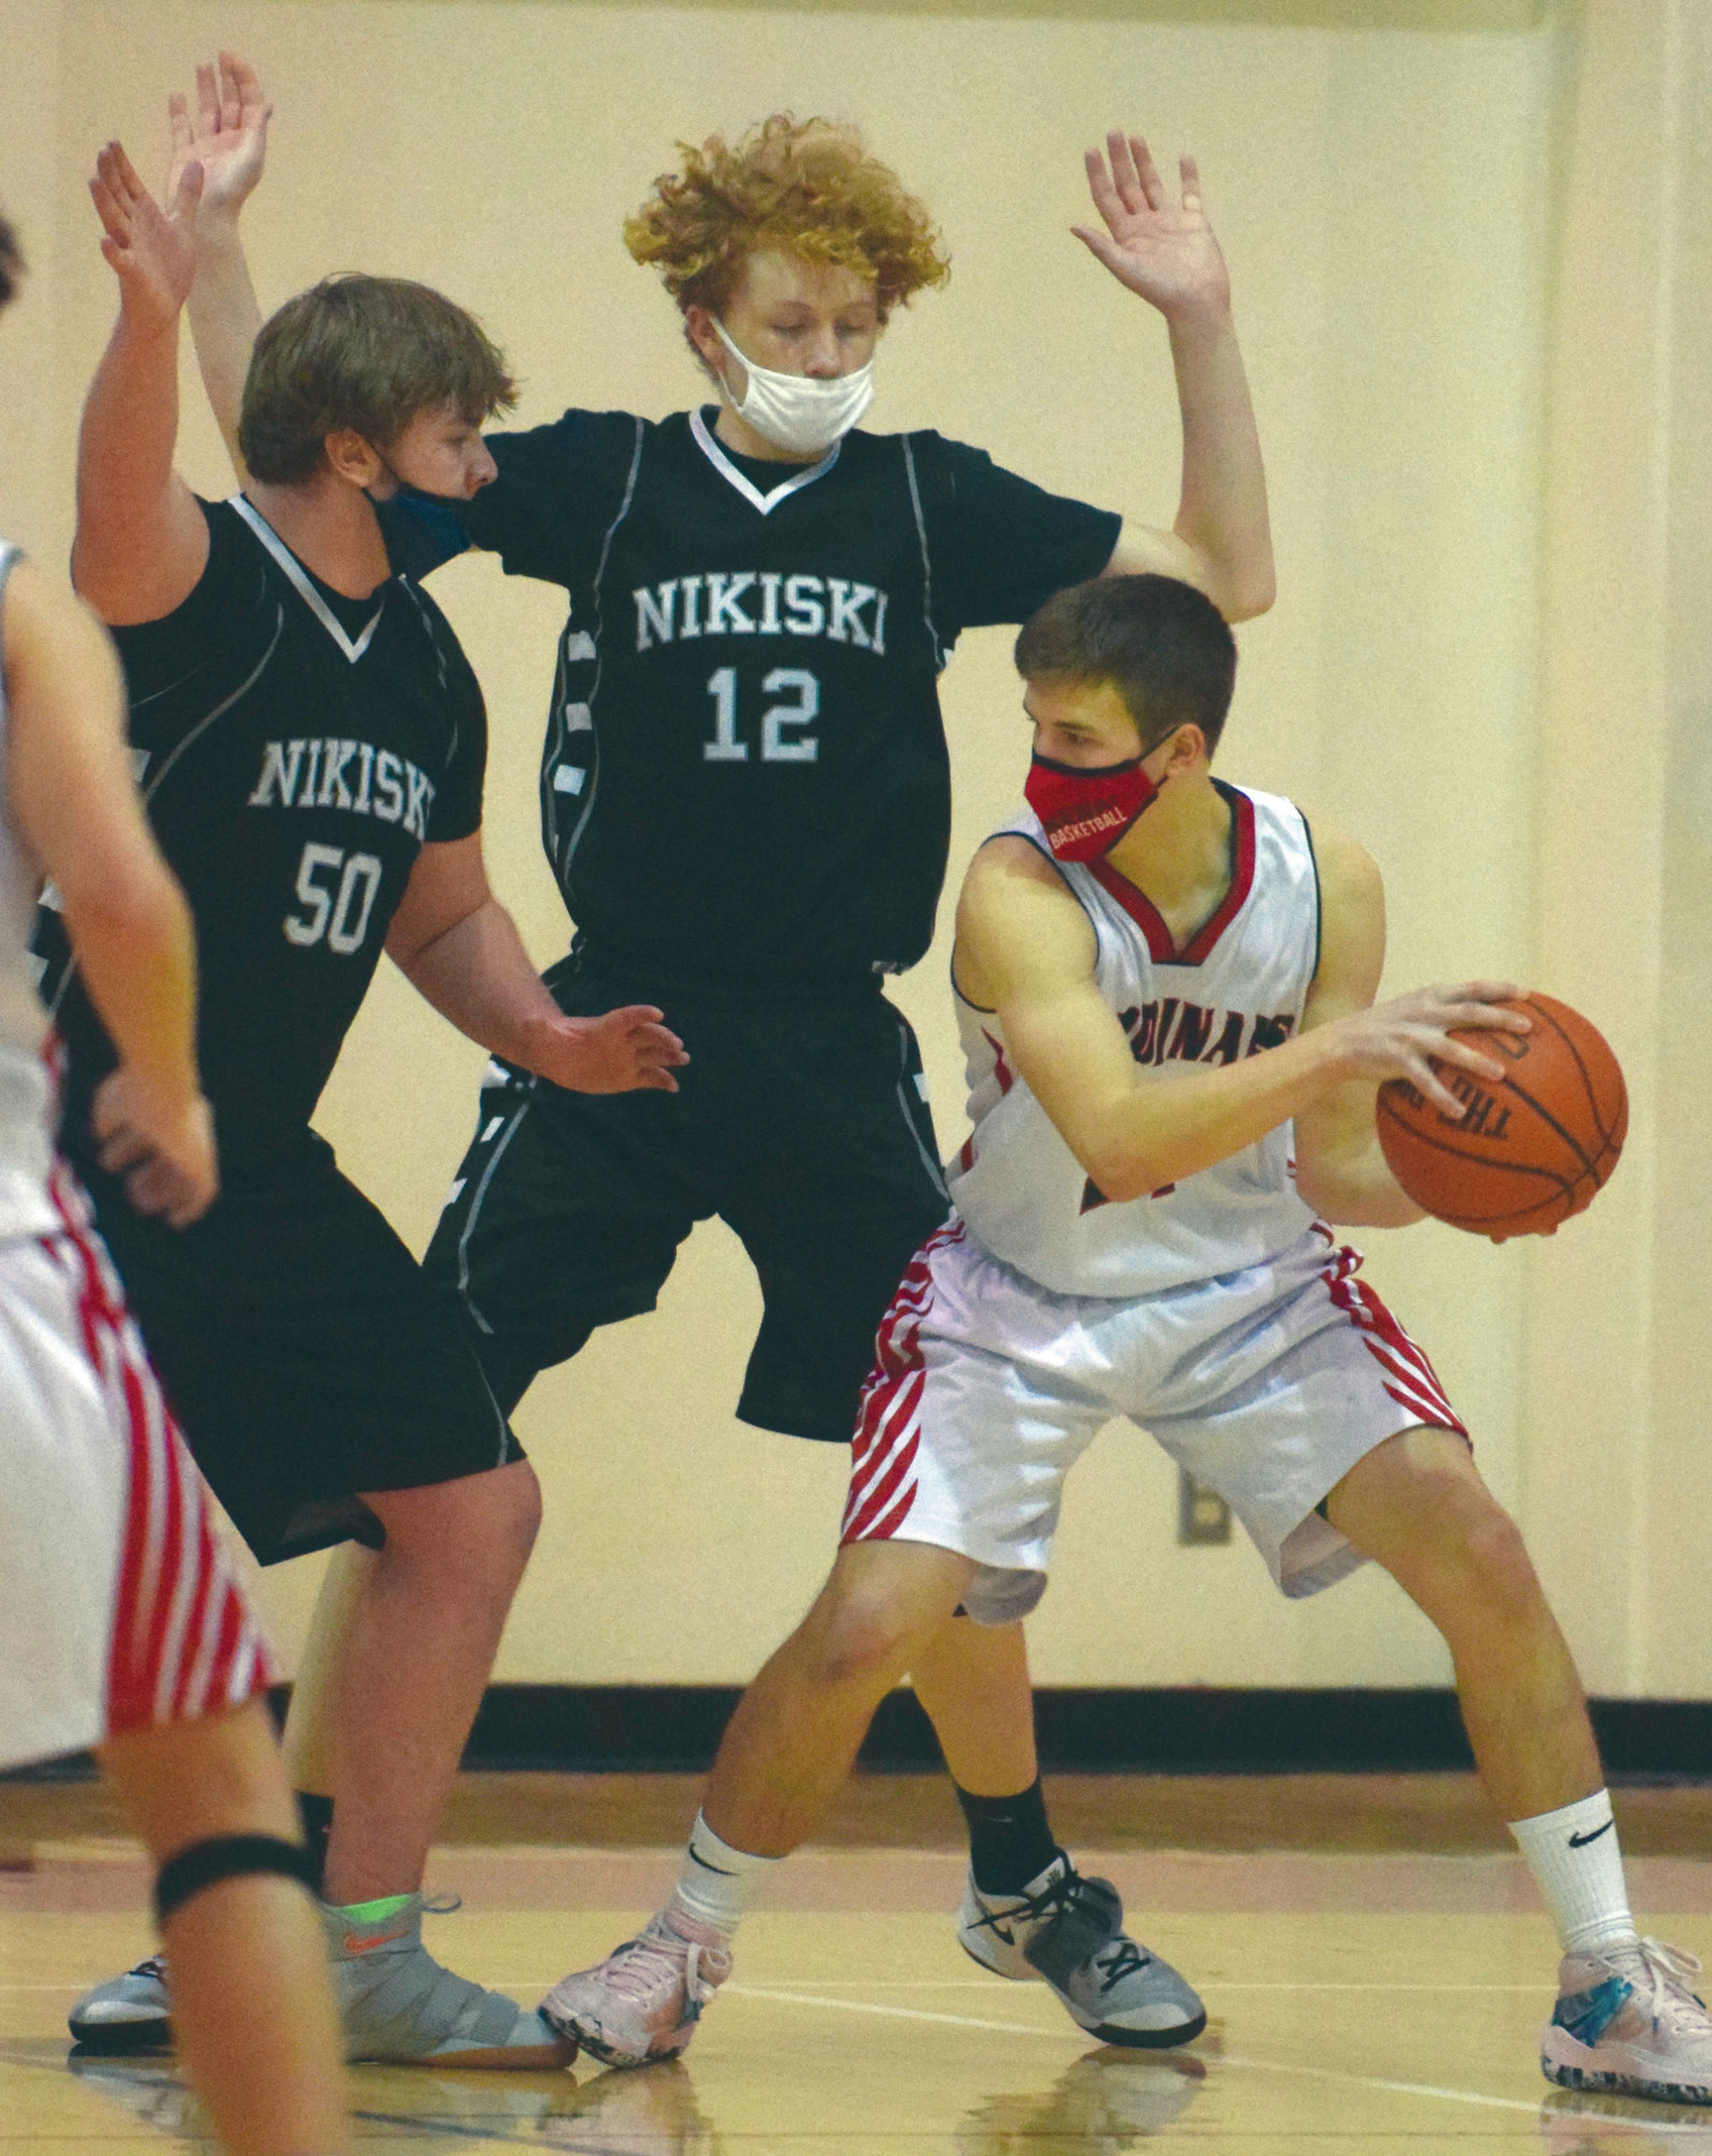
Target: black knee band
{"points": [[229, 1856]]}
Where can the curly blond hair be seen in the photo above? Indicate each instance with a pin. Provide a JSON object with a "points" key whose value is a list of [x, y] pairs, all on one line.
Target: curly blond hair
{"points": [[807, 185]]}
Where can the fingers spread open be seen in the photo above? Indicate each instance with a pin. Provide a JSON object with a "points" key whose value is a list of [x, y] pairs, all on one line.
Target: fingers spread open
{"points": [[1104, 194], [1147, 172], [1125, 175]]}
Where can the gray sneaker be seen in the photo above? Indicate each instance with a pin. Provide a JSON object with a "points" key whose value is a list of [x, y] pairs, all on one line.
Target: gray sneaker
{"points": [[127, 2013], [400, 2007], [1070, 1930]]}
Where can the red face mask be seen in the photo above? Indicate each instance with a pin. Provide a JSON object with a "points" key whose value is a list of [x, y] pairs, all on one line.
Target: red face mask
{"points": [[1086, 812]]}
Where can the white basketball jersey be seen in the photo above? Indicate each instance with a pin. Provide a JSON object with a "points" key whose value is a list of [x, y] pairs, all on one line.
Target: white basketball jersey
{"points": [[26, 1091], [1236, 988]]}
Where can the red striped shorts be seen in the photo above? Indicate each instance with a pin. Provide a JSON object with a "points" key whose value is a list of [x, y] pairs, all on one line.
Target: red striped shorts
{"points": [[118, 1607], [1267, 1385]]}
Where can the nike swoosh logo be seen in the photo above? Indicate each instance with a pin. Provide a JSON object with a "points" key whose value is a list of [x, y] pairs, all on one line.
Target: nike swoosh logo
{"points": [[353, 1945], [1580, 1841], [998, 1931]]}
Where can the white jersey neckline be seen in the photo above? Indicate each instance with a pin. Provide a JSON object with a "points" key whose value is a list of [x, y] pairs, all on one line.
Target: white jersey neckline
{"points": [[298, 577], [1162, 945], [708, 444]]}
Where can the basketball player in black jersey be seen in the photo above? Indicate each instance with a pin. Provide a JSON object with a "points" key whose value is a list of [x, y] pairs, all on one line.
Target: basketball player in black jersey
{"points": [[311, 743], [744, 792]]}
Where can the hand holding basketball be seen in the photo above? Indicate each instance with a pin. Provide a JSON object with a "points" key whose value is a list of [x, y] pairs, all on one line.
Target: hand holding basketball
{"points": [[1407, 1036], [1521, 1154]]}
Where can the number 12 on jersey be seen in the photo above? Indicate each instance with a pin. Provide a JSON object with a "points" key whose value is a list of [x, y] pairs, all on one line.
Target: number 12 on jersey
{"points": [[727, 745]]}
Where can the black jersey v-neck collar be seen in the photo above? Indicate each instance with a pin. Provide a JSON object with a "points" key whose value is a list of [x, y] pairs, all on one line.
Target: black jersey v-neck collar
{"points": [[729, 468], [352, 638]]}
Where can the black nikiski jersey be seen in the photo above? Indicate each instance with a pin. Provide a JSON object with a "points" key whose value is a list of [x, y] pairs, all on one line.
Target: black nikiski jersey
{"points": [[296, 749], [745, 782]]}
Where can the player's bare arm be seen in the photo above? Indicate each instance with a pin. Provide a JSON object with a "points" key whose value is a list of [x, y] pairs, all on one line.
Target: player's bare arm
{"points": [[226, 135], [460, 950], [1166, 253], [142, 542], [1340, 1170], [1025, 950], [75, 802]]}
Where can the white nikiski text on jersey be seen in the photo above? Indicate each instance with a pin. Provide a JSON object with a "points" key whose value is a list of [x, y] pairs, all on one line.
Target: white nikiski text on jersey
{"points": [[765, 602], [327, 772]]}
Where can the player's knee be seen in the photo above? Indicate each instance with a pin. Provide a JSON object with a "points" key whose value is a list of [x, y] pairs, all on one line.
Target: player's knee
{"points": [[1497, 1560], [1469, 1563], [477, 1525], [862, 1641]]}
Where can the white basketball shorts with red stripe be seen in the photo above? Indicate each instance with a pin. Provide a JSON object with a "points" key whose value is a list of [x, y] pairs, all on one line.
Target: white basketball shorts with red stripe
{"points": [[1266, 1384], [118, 1606]]}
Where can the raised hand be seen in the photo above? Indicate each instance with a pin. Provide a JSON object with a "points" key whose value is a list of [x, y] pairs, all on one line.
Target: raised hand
{"points": [[227, 136], [1163, 250], [620, 1052], [153, 251]]}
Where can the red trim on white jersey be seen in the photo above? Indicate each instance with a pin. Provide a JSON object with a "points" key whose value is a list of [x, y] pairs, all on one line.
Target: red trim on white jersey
{"points": [[1160, 944], [1002, 1070], [1410, 1378], [185, 1643], [884, 1449]]}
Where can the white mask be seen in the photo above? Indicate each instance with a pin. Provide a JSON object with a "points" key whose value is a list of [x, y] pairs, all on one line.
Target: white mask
{"points": [[794, 411]]}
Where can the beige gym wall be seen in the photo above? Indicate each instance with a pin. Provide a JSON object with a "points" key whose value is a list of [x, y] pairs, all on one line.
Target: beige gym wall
{"points": [[1397, 187]]}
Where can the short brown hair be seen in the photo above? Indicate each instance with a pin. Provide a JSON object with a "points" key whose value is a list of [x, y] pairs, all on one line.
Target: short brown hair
{"points": [[367, 353], [11, 263], [1163, 645], [806, 185]]}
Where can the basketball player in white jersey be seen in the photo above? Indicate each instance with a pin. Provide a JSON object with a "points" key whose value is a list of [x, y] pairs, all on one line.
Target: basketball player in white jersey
{"points": [[124, 1629], [767, 876], [1165, 987]]}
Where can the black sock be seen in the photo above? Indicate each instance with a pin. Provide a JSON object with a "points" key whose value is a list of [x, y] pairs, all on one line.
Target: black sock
{"points": [[1009, 1841], [315, 1813]]}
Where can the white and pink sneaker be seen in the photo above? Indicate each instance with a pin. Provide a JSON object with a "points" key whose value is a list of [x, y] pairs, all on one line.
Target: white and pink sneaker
{"points": [[1627, 2022], [642, 2002]]}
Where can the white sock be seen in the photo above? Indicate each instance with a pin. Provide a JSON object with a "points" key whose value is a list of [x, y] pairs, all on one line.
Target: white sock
{"points": [[716, 1884], [1578, 1867]]}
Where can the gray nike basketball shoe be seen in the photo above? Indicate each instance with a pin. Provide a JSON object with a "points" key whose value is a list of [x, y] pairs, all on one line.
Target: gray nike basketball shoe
{"points": [[1068, 1931], [131, 2013], [396, 2004]]}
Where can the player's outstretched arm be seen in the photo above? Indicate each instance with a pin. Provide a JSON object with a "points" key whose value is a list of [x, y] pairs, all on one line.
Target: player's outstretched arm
{"points": [[141, 541], [460, 950], [227, 136], [1166, 253], [1026, 950], [69, 775]]}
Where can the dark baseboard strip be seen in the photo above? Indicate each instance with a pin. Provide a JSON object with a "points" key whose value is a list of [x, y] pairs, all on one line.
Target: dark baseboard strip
{"points": [[1193, 1730], [676, 1728]]}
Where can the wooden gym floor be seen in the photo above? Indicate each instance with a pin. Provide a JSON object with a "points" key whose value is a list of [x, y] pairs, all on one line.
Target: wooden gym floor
{"points": [[1374, 1966]]}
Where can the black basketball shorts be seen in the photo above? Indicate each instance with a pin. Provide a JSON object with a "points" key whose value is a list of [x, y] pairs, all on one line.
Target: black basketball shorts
{"points": [[306, 1356], [803, 1125]]}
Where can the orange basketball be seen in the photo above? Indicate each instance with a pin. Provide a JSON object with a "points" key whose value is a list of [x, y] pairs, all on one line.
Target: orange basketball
{"points": [[1530, 1150]]}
